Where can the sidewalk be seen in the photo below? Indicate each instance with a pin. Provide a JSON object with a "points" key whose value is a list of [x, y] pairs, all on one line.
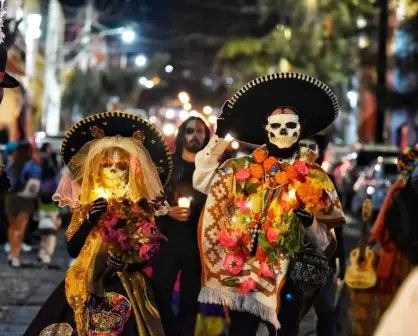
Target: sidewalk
{"points": [[23, 291]]}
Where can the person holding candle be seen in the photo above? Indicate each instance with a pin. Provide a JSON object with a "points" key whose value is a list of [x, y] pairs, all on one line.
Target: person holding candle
{"points": [[180, 253], [118, 164], [268, 221]]}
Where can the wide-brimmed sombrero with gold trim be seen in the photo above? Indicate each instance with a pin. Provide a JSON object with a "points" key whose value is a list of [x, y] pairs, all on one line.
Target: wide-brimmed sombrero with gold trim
{"points": [[120, 124], [247, 111]]}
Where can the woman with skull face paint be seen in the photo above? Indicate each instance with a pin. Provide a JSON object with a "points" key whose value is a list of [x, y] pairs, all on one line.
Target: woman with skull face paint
{"points": [[180, 253], [116, 160], [262, 238]]}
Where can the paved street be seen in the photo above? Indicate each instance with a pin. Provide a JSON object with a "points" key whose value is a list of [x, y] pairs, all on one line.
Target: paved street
{"points": [[22, 292]]}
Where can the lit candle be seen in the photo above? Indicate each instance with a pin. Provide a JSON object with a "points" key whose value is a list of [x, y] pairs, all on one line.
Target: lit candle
{"points": [[102, 193], [184, 202]]}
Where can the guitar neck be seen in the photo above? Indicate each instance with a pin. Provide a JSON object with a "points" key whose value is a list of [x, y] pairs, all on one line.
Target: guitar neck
{"points": [[363, 240]]}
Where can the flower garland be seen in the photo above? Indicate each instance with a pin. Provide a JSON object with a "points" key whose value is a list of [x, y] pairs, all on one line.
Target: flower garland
{"points": [[257, 233]]}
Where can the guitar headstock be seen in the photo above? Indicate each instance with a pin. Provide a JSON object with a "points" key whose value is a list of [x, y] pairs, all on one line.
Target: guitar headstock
{"points": [[367, 210]]}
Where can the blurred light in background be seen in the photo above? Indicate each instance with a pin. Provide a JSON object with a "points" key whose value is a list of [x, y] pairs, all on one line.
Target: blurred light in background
{"points": [[229, 80], [156, 80], [212, 119], [184, 97], [229, 137], [34, 23], [363, 42], [207, 110], [361, 22], [150, 84], [169, 68], [325, 166], [235, 145], [143, 81], [128, 36], [352, 98], [377, 167], [170, 114], [187, 106], [287, 33], [183, 115], [207, 81], [370, 190], [168, 129], [152, 119], [140, 60]]}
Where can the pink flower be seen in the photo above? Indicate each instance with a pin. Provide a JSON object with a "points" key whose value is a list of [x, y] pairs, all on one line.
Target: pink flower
{"points": [[144, 251], [122, 238], [108, 235], [110, 222], [242, 174], [147, 228], [136, 210], [301, 167], [227, 239], [245, 238], [247, 286], [148, 271], [272, 235], [233, 263], [266, 270]]}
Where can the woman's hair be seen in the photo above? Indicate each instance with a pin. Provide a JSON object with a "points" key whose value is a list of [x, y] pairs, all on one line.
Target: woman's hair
{"points": [[45, 146], [23, 154], [182, 132]]}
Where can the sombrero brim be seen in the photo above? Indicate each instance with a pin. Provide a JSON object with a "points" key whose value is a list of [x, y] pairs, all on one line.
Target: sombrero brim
{"points": [[9, 82], [248, 109], [120, 124]]}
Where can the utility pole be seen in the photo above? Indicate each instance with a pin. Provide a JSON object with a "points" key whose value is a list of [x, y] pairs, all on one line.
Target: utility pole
{"points": [[381, 72], [85, 39]]}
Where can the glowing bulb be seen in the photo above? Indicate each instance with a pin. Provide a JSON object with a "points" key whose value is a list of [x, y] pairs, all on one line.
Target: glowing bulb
{"points": [[143, 81], [184, 97], [183, 115], [150, 84], [169, 68], [140, 61], [292, 194], [235, 145], [212, 119], [229, 137], [207, 110], [187, 106], [170, 114], [153, 119], [128, 36], [168, 129]]}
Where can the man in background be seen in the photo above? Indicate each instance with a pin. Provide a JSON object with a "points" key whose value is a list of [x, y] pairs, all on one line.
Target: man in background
{"points": [[181, 253]]}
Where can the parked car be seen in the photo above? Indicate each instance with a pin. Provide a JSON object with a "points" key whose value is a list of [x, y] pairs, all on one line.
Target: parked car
{"points": [[349, 171], [374, 183]]}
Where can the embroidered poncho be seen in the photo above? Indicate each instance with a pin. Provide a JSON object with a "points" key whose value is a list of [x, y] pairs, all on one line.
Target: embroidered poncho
{"points": [[248, 231]]}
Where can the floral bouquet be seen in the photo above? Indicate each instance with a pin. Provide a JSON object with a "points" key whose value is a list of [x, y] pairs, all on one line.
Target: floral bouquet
{"points": [[129, 231]]}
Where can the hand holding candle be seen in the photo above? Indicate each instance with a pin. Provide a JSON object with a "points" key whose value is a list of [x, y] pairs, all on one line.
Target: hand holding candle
{"points": [[184, 202]]}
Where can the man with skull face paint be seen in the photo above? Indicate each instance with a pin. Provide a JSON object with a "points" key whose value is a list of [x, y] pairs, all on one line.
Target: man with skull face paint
{"points": [[250, 262], [180, 253]]}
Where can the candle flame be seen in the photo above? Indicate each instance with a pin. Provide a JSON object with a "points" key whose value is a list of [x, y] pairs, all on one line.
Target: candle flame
{"points": [[184, 202], [102, 193], [292, 194]]}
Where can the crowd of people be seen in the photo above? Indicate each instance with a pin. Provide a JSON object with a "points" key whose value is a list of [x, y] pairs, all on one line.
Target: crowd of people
{"points": [[164, 242], [29, 215]]}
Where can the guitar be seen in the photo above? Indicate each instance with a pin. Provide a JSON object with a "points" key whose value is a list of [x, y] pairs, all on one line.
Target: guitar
{"points": [[361, 274]]}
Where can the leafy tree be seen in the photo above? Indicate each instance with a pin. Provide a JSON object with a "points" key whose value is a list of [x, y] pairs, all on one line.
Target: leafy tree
{"points": [[316, 37]]}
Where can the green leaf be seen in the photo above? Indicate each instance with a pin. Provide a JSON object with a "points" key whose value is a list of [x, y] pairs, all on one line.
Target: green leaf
{"points": [[230, 282]]}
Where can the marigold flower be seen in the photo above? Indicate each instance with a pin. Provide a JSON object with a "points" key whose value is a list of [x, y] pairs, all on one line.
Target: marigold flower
{"points": [[259, 155], [292, 173], [257, 171], [281, 178], [269, 163]]}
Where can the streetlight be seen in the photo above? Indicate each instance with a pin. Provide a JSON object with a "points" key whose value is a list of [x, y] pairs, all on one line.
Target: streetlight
{"points": [[128, 36], [140, 60], [169, 68], [184, 97], [207, 110]]}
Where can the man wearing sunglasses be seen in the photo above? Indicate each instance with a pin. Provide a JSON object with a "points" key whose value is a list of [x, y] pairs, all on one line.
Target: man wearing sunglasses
{"points": [[180, 253]]}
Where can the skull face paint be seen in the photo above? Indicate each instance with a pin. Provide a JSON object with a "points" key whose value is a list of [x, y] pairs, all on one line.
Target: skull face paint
{"points": [[194, 136], [309, 145], [283, 129]]}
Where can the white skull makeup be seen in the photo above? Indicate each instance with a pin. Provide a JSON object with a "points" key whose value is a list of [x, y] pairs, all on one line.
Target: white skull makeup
{"points": [[308, 145], [194, 136], [283, 129]]}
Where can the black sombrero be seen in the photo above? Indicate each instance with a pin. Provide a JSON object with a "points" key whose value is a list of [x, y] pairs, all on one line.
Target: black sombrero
{"points": [[6, 81], [246, 112], [123, 124]]}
